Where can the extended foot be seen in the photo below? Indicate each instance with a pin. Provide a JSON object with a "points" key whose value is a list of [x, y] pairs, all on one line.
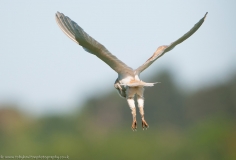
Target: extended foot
{"points": [[144, 124], [134, 125]]}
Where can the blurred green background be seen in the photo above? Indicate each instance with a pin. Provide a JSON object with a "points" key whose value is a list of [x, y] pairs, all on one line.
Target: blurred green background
{"points": [[195, 125], [56, 99]]}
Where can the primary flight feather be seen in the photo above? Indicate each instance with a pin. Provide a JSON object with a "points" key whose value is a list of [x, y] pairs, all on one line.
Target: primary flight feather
{"points": [[128, 83]]}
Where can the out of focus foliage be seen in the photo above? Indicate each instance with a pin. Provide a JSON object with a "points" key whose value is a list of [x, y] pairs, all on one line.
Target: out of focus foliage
{"points": [[197, 125]]}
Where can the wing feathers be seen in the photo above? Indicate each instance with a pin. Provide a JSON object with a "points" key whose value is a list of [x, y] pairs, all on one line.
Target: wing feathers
{"points": [[59, 20], [163, 49], [78, 35]]}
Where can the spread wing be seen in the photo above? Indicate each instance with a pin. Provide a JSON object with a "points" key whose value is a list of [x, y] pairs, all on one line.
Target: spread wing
{"points": [[166, 48], [79, 36]]}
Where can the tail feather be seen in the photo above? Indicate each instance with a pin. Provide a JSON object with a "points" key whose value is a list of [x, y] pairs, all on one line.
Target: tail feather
{"points": [[139, 84]]}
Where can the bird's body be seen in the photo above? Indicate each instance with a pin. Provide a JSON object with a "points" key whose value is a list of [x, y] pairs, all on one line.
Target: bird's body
{"points": [[128, 83]]}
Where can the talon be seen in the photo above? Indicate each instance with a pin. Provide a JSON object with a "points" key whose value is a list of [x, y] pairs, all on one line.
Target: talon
{"points": [[134, 126], [144, 124]]}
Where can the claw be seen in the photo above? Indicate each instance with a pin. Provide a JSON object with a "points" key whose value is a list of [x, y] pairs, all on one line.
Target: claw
{"points": [[134, 126], [144, 124]]}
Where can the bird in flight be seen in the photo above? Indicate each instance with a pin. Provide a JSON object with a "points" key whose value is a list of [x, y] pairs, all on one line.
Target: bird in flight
{"points": [[128, 83]]}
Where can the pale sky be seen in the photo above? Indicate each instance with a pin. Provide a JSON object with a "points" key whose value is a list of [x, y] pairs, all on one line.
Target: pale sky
{"points": [[44, 71]]}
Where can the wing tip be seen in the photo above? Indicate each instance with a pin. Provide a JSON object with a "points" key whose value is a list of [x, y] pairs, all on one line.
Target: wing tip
{"points": [[59, 14], [205, 15]]}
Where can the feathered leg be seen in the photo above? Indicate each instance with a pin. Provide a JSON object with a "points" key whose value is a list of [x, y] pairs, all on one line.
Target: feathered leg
{"points": [[140, 100], [141, 111], [133, 112], [130, 99]]}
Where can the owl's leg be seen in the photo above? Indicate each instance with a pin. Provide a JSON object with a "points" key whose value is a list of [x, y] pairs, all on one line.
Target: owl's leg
{"points": [[130, 100], [140, 100], [133, 112]]}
